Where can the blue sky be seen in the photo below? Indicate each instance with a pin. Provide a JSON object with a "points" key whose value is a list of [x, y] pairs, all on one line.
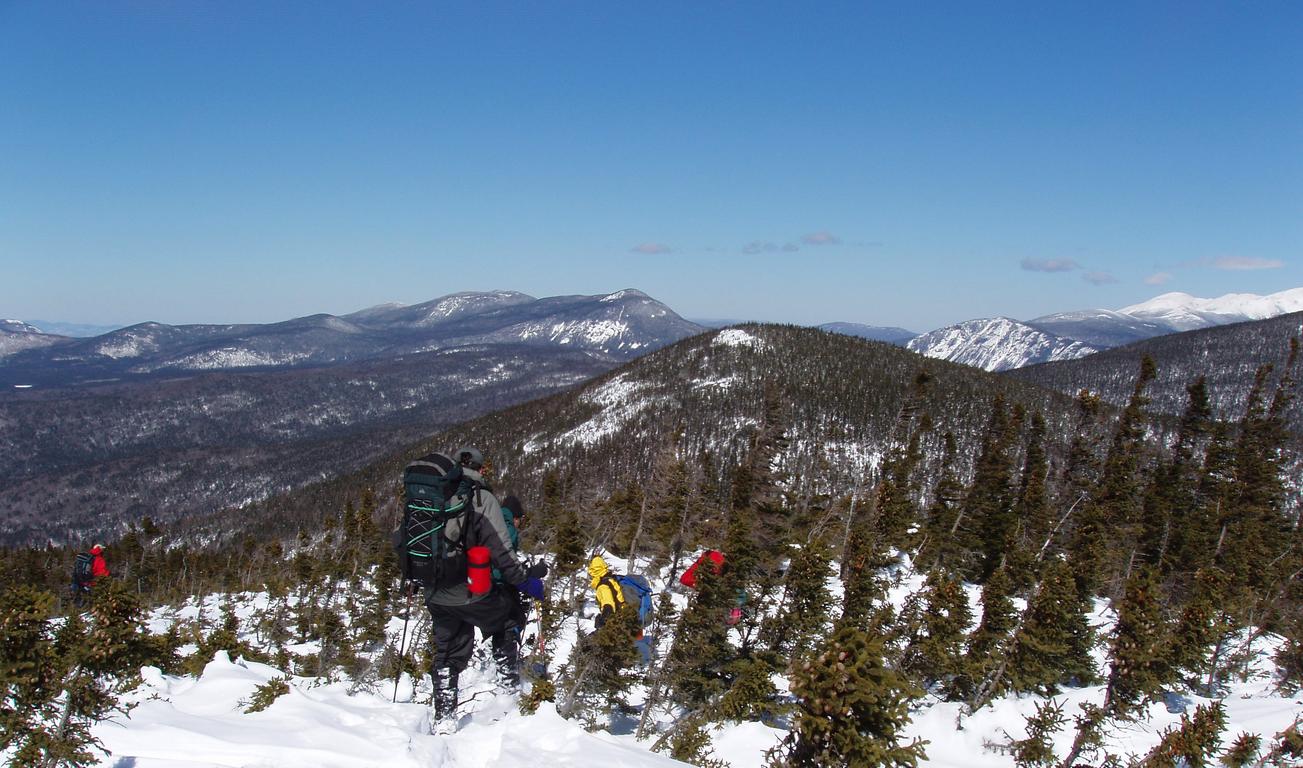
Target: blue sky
{"points": [[905, 164]]}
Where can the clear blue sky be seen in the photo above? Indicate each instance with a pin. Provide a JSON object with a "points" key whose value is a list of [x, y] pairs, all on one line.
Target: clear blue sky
{"points": [[253, 161]]}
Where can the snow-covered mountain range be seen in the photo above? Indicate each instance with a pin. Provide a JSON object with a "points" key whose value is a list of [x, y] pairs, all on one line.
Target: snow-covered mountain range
{"points": [[617, 326], [621, 325], [1001, 343], [1183, 312]]}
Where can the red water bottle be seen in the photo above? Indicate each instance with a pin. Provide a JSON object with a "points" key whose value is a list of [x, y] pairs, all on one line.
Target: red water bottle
{"points": [[479, 576]]}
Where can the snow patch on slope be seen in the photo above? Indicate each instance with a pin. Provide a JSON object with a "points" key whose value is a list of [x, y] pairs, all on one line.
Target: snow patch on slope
{"points": [[620, 401], [736, 337], [127, 344], [17, 342], [232, 357]]}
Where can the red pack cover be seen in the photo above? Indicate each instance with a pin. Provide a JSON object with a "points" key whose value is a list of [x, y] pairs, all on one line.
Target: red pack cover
{"points": [[689, 577]]}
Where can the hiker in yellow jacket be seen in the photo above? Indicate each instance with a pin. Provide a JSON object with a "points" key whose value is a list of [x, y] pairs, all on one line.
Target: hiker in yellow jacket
{"points": [[609, 599]]}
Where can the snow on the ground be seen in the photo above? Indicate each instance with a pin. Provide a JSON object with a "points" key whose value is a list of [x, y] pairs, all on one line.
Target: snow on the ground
{"points": [[183, 722], [180, 722]]}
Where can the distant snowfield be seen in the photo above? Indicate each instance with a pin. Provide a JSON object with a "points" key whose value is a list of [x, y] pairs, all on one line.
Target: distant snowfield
{"points": [[182, 722]]}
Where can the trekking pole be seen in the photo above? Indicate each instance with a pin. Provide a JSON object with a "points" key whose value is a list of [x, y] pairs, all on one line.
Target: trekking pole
{"points": [[407, 615]]}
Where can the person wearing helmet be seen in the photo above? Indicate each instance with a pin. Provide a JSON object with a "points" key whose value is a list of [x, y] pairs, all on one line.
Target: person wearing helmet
{"points": [[470, 458]]}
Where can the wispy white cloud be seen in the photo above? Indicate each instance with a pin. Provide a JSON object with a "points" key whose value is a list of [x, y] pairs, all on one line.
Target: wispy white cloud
{"points": [[1099, 278], [1049, 265], [1158, 278], [822, 237], [1239, 263], [764, 246], [651, 249]]}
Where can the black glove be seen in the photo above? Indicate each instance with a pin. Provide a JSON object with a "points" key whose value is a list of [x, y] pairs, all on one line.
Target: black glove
{"points": [[536, 571]]}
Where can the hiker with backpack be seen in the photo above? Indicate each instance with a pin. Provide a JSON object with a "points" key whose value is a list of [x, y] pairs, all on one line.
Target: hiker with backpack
{"points": [[617, 591], [513, 513], [453, 536], [86, 568], [713, 559]]}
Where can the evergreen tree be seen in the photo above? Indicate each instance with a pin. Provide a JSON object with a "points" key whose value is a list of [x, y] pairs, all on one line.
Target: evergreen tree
{"points": [[690, 743], [601, 669], [671, 505], [627, 507], [986, 518], [1255, 533], [118, 644], [695, 666], [1138, 669], [934, 654], [851, 708], [56, 686], [1201, 623], [938, 547], [1192, 744], [569, 541], [31, 676], [1081, 537], [1172, 490], [1243, 751], [751, 694], [1113, 522], [803, 614], [895, 498], [864, 563], [1036, 749], [988, 643], [1034, 519], [1052, 644]]}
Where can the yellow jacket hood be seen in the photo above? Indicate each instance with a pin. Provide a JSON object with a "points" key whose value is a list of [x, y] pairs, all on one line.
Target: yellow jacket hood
{"points": [[597, 568]]}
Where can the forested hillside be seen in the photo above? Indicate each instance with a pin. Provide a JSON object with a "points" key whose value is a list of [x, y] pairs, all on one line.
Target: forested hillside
{"points": [[904, 538], [842, 404], [1228, 357], [200, 444]]}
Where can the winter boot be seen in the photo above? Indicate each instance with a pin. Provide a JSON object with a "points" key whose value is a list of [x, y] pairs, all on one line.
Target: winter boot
{"points": [[445, 701], [506, 660]]}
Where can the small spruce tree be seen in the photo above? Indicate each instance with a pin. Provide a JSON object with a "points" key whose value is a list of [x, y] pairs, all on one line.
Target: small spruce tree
{"points": [[851, 708]]}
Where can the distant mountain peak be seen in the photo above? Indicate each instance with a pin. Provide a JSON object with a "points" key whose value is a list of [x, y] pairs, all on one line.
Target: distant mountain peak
{"points": [[997, 344], [1184, 309], [627, 293], [18, 326]]}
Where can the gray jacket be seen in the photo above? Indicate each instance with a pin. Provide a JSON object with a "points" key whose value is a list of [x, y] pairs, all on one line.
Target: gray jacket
{"points": [[485, 527]]}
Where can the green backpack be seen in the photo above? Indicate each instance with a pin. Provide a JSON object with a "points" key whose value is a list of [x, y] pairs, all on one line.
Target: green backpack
{"points": [[435, 492]]}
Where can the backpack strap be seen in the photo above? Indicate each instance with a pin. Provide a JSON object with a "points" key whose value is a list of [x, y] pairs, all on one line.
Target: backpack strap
{"points": [[613, 584]]}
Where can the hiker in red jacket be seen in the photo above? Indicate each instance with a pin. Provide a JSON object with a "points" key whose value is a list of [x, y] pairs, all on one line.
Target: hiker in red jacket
{"points": [[689, 577], [86, 569], [99, 568], [715, 560]]}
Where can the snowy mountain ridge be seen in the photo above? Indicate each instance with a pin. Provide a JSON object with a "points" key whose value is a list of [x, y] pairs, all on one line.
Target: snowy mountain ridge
{"points": [[998, 344], [617, 326], [1184, 312]]}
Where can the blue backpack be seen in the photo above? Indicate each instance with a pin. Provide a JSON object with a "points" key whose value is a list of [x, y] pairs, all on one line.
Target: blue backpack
{"points": [[635, 590]]}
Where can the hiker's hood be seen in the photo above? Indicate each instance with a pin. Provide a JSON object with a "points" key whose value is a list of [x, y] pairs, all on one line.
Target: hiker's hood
{"points": [[597, 568]]}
